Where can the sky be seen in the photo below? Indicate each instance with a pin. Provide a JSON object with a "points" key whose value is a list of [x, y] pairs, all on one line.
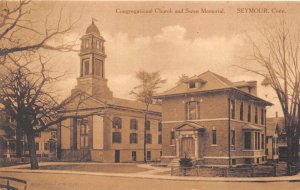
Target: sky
{"points": [[173, 43]]}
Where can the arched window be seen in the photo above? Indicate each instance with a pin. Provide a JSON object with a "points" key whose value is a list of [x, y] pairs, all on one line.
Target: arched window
{"points": [[256, 116], [232, 108], [262, 116], [249, 113], [242, 111], [214, 136], [117, 122], [133, 124]]}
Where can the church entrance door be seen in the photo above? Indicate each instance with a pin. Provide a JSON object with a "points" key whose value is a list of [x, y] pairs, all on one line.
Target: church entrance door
{"points": [[187, 148]]}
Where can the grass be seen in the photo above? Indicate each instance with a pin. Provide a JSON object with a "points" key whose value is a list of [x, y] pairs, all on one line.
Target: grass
{"points": [[106, 168]]}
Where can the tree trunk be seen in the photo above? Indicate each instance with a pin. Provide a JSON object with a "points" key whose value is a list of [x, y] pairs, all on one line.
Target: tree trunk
{"points": [[145, 138], [289, 149], [32, 151], [19, 145]]}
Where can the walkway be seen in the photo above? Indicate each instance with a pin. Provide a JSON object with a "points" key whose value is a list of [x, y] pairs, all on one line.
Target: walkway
{"points": [[152, 173]]}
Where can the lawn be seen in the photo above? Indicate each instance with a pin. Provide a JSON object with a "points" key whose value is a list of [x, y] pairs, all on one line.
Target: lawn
{"points": [[106, 168]]}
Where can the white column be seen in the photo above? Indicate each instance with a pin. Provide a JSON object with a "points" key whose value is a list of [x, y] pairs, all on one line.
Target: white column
{"points": [[177, 147], [196, 148]]}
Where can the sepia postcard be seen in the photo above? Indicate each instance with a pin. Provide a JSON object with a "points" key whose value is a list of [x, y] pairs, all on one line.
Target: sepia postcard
{"points": [[149, 95]]}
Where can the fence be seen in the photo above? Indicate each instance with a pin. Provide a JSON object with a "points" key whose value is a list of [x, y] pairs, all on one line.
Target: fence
{"points": [[11, 183], [23, 160], [243, 171]]}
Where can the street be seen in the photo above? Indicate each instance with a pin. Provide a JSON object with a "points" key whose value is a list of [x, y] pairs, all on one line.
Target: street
{"points": [[86, 182]]}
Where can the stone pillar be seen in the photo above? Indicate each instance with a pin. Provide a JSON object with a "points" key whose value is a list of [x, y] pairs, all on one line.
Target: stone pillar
{"points": [[196, 148], [177, 148]]}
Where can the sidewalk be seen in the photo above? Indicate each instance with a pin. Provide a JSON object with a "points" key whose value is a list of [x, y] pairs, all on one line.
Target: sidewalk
{"points": [[150, 174]]}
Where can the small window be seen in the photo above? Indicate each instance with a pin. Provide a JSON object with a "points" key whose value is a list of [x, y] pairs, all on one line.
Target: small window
{"points": [[214, 136], [160, 153], [172, 137], [148, 139], [38, 134], [53, 134], [233, 162], [37, 146], [159, 139], [133, 155], [192, 84], [133, 138], [148, 155], [247, 160], [233, 137], [257, 160], [262, 141], [46, 146], [116, 137], [117, 122], [147, 125], [159, 126], [133, 124]]}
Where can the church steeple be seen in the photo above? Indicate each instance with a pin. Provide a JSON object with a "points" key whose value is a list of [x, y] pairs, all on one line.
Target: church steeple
{"points": [[92, 64], [92, 53]]}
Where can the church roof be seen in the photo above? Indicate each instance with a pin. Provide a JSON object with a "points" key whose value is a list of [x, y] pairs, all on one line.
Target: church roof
{"points": [[92, 29], [132, 104]]}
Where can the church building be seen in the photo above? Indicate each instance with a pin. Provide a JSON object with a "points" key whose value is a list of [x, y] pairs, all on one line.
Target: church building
{"points": [[214, 121], [99, 126]]}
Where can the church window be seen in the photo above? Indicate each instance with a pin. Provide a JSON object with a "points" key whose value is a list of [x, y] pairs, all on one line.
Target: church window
{"points": [[86, 67], [87, 43], [84, 132], [116, 137], [133, 138], [148, 139], [133, 124], [159, 139], [117, 122], [98, 67]]}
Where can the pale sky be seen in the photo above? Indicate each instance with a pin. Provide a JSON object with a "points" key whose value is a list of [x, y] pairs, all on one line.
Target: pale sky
{"points": [[173, 43]]}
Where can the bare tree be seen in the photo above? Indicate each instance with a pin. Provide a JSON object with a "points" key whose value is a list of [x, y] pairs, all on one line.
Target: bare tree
{"points": [[182, 78], [29, 98], [18, 33], [144, 92], [276, 54]]}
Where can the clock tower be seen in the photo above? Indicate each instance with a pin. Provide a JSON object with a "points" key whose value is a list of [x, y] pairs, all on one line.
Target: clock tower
{"points": [[92, 64]]}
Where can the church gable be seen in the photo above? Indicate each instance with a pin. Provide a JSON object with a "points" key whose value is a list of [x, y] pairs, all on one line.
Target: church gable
{"points": [[81, 101], [189, 126]]}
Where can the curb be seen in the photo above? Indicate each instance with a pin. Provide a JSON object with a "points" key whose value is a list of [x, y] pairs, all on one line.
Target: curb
{"points": [[159, 177]]}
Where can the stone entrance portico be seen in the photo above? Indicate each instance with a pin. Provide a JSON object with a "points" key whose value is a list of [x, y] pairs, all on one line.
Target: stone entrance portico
{"points": [[188, 139]]}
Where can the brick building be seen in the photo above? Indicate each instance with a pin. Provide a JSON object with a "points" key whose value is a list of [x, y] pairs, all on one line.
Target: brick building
{"points": [[99, 126], [214, 121], [45, 141]]}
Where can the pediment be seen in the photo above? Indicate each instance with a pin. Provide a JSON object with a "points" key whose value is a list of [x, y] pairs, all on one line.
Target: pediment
{"points": [[81, 100], [189, 126]]}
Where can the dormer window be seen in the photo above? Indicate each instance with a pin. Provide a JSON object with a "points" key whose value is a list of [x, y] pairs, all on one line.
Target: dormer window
{"points": [[192, 84]]}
